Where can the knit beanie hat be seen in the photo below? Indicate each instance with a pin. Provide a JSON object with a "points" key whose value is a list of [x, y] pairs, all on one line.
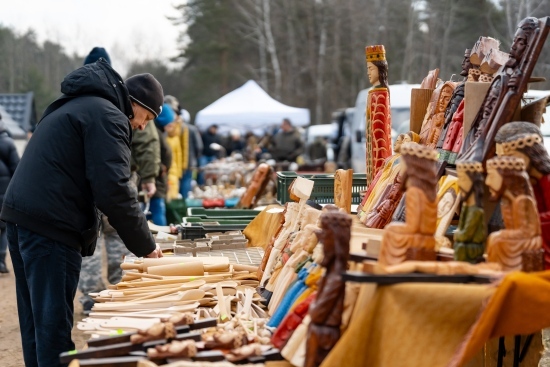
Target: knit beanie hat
{"points": [[96, 54], [166, 116], [146, 91]]}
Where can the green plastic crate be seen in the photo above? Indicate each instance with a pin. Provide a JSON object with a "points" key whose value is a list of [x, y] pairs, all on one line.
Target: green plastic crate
{"points": [[224, 221], [323, 187], [215, 214]]}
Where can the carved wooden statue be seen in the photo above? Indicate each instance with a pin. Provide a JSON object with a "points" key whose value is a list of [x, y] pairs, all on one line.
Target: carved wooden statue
{"points": [[343, 182], [456, 98], [524, 140], [433, 126], [381, 215], [385, 177], [506, 90], [414, 239], [469, 238], [519, 245], [378, 118], [257, 185], [326, 311]]}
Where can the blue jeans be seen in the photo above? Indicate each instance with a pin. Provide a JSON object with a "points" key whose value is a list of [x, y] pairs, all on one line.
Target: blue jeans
{"points": [[157, 207], [46, 276], [185, 183]]}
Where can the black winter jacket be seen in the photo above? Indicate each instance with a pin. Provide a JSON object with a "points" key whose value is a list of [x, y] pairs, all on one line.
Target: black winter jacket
{"points": [[78, 159]]}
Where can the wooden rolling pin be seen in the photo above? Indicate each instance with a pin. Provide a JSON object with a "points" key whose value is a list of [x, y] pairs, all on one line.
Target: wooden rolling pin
{"points": [[186, 268], [142, 265]]}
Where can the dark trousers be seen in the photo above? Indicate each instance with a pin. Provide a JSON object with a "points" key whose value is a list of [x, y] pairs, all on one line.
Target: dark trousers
{"points": [[46, 276]]}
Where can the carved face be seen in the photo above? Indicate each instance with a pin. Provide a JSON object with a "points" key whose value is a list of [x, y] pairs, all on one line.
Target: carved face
{"points": [[491, 100], [466, 65], [444, 99], [519, 45], [464, 182], [372, 71], [494, 182]]}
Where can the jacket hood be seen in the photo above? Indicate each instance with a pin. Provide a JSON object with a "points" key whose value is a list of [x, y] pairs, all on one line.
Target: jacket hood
{"points": [[101, 80]]}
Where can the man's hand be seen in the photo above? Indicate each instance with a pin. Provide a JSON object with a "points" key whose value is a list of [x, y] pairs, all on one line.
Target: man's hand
{"points": [[156, 253], [150, 188]]}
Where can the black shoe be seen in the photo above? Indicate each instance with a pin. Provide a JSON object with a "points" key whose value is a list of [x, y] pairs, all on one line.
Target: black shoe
{"points": [[3, 268]]}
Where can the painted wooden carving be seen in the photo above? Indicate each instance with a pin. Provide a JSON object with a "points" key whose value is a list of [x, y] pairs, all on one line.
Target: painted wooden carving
{"points": [[519, 245], [381, 215], [414, 239], [506, 89], [343, 182], [326, 311], [257, 185], [450, 131], [378, 117], [469, 238], [377, 190], [524, 140], [429, 135]]}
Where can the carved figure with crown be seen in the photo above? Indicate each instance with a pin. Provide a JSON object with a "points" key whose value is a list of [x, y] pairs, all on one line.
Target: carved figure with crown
{"points": [[414, 239], [524, 140], [378, 117], [519, 245], [469, 238]]}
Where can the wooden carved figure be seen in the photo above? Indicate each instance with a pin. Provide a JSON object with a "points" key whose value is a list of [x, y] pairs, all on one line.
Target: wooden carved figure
{"points": [[378, 117], [506, 90], [524, 140], [343, 182], [519, 245], [381, 215], [456, 98], [414, 239], [384, 177], [257, 185], [469, 238], [433, 126], [326, 311]]}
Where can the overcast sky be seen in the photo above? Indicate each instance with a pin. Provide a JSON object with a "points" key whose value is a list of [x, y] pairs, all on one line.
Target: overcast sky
{"points": [[128, 29]]}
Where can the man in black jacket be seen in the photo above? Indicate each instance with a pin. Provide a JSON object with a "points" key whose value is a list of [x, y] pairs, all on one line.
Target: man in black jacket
{"points": [[77, 160]]}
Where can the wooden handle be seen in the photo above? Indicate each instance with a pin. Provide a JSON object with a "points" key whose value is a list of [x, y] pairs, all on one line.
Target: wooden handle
{"points": [[181, 269]]}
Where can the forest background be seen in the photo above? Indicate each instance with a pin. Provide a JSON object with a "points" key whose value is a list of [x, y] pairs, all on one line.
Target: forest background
{"points": [[304, 53]]}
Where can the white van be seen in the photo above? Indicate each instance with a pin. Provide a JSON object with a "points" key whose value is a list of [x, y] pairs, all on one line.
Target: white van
{"points": [[400, 104]]}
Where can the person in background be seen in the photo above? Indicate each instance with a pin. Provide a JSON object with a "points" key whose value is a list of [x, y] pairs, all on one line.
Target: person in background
{"points": [[95, 54], [158, 201], [235, 143], [211, 142], [77, 160], [287, 144], [9, 158], [191, 145]]}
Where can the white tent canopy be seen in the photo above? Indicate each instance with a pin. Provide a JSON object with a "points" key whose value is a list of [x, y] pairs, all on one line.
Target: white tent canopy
{"points": [[249, 108]]}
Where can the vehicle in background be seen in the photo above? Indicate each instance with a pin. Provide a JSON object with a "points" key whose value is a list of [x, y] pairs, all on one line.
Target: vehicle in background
{"points": [[400, 105], [15, 131]]}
